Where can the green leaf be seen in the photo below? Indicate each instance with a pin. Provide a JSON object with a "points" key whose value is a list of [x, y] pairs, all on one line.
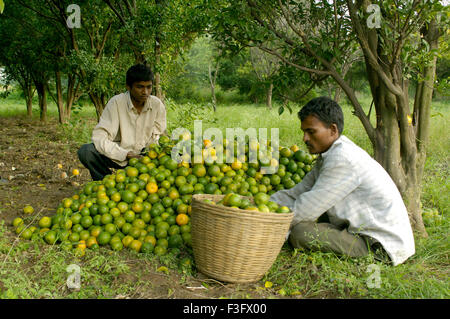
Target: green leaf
{"points": [[280, 110], [2, 6]]}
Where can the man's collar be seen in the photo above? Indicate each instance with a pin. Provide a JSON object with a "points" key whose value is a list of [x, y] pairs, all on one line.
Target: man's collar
{"points": [[130, 105], [337, 142]]}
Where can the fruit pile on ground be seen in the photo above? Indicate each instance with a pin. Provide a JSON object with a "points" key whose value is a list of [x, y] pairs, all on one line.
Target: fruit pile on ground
{"points": [[146, 206]]}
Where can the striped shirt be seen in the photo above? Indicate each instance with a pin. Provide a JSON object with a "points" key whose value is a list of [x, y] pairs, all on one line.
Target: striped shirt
{"points": [[353, 189], [121, 129]]}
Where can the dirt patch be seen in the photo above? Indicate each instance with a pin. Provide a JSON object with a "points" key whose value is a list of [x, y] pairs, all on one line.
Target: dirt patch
{"points": [[30, 152]]}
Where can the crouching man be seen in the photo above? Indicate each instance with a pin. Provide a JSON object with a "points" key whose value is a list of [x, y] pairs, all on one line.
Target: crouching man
{"points": [[347, 204], [129, 123]]}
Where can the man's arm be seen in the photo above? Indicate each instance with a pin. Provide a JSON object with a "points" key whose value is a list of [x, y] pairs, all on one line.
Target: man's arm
{"points": [[336, 179], [105, 132]]}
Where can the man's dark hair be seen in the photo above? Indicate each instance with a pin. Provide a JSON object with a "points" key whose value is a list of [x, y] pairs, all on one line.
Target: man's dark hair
{"points": [[324, 109], [138, 73]]}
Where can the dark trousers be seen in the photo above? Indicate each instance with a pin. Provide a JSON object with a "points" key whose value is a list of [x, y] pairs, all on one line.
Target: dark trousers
{"points": [[98, 165], [326, 237]]}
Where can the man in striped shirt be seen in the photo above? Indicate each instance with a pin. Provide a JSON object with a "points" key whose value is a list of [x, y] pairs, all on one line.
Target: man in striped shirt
{"points": [[362, 206]]}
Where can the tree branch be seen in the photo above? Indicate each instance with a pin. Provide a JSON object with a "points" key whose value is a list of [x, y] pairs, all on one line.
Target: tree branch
{"points": [[121, 18], [37, 12], [394, 88], [300, 67], [105, 36], [270, 27]]}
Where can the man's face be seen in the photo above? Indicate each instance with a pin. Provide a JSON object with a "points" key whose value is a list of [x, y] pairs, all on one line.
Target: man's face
{"points": [[140, 91], [317, 136]]}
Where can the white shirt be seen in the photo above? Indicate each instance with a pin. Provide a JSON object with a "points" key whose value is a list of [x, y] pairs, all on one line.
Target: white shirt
{"points": [[353, 188], [121, 129]]}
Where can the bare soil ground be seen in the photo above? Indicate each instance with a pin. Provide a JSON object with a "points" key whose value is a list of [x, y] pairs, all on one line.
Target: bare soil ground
{"points": [[29, 154]]}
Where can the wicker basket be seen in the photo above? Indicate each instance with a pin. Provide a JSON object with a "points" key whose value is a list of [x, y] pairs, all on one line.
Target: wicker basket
{"points": [[235, 245]]}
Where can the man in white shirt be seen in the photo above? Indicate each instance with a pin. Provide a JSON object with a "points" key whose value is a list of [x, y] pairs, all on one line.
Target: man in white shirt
{"points": [[364, 208], [129, 123]]}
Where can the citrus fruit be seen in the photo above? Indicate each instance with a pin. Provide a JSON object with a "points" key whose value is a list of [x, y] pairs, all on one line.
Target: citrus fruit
{"points": [[129, 216], [128, 196], [135, 245], [117, 245], [26, 233], [139, 223], [95, 231], [28, 209], [132, 171], [175, 241], [147, 247], [45, 222], [187, 238], [126, 241], [86, 221], [234, 200], [74, 237], [84, 234], [160, 250], [182, 219], [261, 198], [161, 233], [111, 228], [91, 241], [103, 238], [283, 209], [19, 221]]}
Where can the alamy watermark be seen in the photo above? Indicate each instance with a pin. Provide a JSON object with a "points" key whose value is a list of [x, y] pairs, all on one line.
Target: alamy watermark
{"points": [[210, 146], [74, 279], [374, 20], [374, 279], [74, 19]]}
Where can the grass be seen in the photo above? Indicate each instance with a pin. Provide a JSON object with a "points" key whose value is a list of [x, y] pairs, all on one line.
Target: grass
{"points": [[295, 273]]}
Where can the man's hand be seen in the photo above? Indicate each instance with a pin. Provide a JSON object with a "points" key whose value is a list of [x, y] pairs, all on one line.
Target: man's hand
{"points": [[133, 155]]}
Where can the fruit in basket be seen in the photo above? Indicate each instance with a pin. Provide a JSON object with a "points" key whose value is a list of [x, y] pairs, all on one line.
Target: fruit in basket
{"points": [[283, 209], [208, 201], [264, 206], [261, 198]]}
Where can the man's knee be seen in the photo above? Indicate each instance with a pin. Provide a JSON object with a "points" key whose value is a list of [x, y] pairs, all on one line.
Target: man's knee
{"points": [[302, 234], [86, 152]]}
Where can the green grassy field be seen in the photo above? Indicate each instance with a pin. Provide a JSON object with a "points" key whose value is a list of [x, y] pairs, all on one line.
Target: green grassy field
{"points": [[295, 273]]}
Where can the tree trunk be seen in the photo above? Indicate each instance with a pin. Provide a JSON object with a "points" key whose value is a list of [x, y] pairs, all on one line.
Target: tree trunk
{"points": [[399, 147], [99, 104], [212, 82], [62, 118], [269, 96], [157, 83], [71, 94], [337, 94], [41, 88], [29, 100], [26, 84]]}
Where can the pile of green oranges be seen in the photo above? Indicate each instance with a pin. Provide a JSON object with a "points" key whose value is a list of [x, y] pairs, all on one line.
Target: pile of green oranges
{"points": [[146, 206]]}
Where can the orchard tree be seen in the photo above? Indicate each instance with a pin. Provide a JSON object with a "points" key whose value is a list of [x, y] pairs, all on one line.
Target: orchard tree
{"points": [[265, 66], [26, 53], [158, 31], [85, 48], [399, 40]]}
